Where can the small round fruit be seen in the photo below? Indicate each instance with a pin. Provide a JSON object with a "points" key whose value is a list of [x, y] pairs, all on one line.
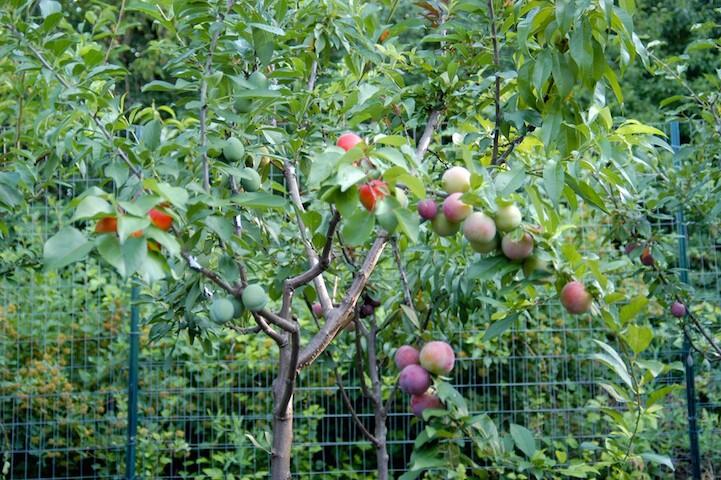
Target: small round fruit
{"points": [[254, 297], [414, 380], [106, 225], [348, 141], [437, 357], [517, 249], [427, 400], [244, 105], [221, 310], [237, 307], [406, 355], [233, 150], [456, 179], [678, 309], [484, 247], [443, 227], [508, 217], [160, 219], [251, 180], [479, 228], [533, 264], [318, 309], [366, 310], [575, 298], [454, 209], [647, 257], [427, 209]]}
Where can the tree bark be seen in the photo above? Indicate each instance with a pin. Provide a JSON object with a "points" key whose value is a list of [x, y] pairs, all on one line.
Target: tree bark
{"points": [[282, 420], [380, 412], [382, 447]]}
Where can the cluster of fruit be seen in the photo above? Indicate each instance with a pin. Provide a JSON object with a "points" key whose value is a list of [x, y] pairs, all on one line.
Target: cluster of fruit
{"points": [[224, 309], [435, 358], [233, 151], [158, 218]]}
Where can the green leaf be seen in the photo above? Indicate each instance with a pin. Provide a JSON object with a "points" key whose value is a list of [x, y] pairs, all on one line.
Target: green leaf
{"points": [[451, 397], [408, 223], [348, 175], [659, 459], [109, 250], [323, 166], [65, 247], [89, 207], [632, 127], [523, 438], [632, 308], [638, 337], [178, 196], [128, 224], [135, 251], [165, 239], [394, 140], [553, 180], [221, 226], [151, 135], [268, 28], [586, 192], [48, 7], [499, 327], [414, 184], [358, 228], [260, 200], [613, 360]]}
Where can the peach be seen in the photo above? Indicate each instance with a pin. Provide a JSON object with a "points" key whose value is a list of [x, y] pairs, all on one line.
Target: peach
{"points": [[348, 141], [426, 400], [443, 227], [454, 209], [575, 298], [479, 228], [456, 179], [406, 355], [517, 249], [508, 218], [427, 209], [414, 380], [437, 357]]}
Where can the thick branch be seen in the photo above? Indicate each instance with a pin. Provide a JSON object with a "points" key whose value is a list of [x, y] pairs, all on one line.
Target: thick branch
{"points": [[497, 92], [292, 373], [277, 337], [339, 317], [313, 75], [318, 282], [425, 141], [291, 284]]}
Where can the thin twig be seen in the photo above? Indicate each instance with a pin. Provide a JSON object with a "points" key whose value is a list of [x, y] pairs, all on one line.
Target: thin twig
{"points": [[497, 92], [402, 272], [514, 143], [425, 141], [114, 34]]}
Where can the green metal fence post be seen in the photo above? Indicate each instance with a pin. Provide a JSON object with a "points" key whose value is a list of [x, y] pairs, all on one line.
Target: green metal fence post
{"points": [[686, 353], [132, 385]]}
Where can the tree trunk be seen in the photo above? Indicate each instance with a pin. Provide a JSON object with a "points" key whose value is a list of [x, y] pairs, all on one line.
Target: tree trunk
{"points": [[282, 444], [282, 420], [382, 448]]}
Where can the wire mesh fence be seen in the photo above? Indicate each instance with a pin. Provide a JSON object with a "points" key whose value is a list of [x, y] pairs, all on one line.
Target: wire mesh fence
{"points": [[206, 414]]}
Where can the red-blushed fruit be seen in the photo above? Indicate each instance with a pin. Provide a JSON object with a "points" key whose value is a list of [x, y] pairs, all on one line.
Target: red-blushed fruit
{"points": [[366, 310], [406, 355], [426, 400], [160, 219], [106, 225], [371, 193], [137, 234], [484, 247], [348, 141], [456, 179], [678, 309], [575, 298], [479, 228], [517, 249], [508, 217], [443, 227], [437, 357], [454, 209], [414, 380], [647, 257], [317, 309], [427, 209]]}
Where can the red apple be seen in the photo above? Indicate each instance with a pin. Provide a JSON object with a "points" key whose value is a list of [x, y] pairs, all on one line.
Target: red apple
{"points": [[348, 141]]}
